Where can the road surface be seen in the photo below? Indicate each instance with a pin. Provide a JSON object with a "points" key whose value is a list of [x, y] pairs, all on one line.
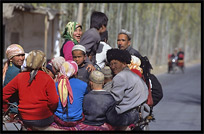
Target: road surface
{"points": [[180, 108]]}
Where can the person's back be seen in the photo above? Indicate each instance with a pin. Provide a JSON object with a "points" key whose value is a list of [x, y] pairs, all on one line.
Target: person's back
{"points": [[95, 106], [74, 111], [38, 98]]}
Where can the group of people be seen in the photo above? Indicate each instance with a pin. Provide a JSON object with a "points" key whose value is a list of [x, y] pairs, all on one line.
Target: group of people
{"points": [[90, 86], [178, 56]]}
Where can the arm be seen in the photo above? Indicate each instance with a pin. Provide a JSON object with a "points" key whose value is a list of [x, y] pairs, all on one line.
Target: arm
{"points": [[118, 89], [8, 90], [53, 98]]}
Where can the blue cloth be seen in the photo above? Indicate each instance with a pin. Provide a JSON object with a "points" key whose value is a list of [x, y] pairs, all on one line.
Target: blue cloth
{"points": [[72, 112], [11, 73]]}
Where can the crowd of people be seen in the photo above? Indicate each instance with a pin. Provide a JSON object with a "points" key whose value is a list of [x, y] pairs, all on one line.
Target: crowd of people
{"points": [[90, 86]]}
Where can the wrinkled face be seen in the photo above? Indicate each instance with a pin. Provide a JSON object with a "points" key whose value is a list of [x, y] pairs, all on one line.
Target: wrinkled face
{"points": [[77, 34], [117, 66], [123, 41], [18, 60], [78, 56]]}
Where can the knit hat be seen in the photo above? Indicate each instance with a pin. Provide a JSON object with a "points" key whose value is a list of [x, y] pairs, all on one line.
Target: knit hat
{"points": [[97, 77], [117, 54], [14, 50], [79, 47], [107, 72], [123, 31]]}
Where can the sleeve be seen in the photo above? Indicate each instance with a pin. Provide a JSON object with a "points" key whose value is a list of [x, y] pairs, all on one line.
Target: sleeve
{"points": [[8, 90], [118, 89], [88, 41], [67, 50], [157, 93], [53, 98]]}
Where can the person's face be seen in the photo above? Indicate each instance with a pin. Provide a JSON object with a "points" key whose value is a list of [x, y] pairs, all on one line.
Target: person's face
{"points": [[78, 56], [117, 66], [77, 34], [123, 41], [18, 60], [51, 74], [102, 29]]}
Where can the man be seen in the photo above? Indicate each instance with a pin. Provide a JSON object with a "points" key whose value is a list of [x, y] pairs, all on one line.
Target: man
{"points": [[129, 90], [91, 38], [108, 77], [124, 41]]}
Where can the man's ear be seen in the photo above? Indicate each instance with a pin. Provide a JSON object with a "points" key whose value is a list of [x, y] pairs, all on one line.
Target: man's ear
{"points": [[129, 42]]}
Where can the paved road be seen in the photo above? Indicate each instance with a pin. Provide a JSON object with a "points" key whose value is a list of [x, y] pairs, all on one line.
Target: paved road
{"points": [[180, 108]]}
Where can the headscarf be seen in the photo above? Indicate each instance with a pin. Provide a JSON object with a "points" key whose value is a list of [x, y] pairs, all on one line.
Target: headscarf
{"points": [[14, 50], [35, 60], [68, 69], [11, 51], [135, 63], [57, 62], [69, 30]]}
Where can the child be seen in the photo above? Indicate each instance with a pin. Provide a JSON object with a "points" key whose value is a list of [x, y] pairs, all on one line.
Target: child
{"points": [[91, 38], [79, 56]]}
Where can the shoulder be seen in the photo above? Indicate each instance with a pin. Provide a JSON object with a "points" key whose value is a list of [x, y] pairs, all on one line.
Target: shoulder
{"points": [[78, 81]]}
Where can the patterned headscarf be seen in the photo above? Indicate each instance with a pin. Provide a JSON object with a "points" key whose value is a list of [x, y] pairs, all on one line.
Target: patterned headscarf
{"points": [[135, 63], [69, 30], [35, 60], [57, 62], [67, 69], [14, 50]]}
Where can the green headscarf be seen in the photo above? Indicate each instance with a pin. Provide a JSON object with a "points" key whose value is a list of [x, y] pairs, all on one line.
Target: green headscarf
{"points": [[69, 30]]}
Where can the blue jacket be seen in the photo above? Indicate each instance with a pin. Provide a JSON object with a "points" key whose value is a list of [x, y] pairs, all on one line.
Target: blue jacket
{"points": [[73, 112]]}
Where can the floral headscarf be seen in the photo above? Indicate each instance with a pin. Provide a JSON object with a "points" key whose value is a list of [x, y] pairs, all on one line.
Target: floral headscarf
{"points": [[69, 30], [14, 50], [68, 69]]}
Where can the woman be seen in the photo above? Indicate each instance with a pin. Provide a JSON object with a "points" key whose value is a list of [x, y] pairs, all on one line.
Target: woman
{"points": [[71, 92], [38, 98], [72, 35]]}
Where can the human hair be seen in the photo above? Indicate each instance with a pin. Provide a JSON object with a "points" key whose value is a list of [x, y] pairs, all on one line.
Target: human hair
{"points": [[98, 19], [104, 36]]}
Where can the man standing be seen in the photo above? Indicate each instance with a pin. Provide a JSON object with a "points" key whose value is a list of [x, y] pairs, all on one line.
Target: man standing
{"points": [[124, 41], [128, 89]]}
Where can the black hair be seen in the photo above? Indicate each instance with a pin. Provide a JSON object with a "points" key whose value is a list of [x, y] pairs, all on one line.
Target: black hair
{"points": [[98, 19], [104, 36]]}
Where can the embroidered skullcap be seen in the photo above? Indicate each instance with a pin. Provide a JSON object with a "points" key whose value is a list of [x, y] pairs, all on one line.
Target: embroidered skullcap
{"points": [[79, 47], [14, 50], [120, 55], [107, 72], [97, 77], [57, 62], [123, 31]]}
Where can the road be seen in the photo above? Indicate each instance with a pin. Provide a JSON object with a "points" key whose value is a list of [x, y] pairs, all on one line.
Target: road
{"points": [[180, 107]]}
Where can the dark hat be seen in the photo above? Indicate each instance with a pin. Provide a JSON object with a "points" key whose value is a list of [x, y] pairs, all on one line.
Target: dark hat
{"points": [[120, 55], [49, 67]]}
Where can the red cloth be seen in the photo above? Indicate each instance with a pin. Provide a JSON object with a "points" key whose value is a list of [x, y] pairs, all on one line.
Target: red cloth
{"points": [[37, 101], [137, 72]]}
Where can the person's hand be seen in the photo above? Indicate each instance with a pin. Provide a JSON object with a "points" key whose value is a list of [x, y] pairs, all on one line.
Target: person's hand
{"points": [[90, 68]]}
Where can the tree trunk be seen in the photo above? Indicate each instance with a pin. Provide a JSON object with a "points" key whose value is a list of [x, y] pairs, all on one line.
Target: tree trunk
{"points": [[156, 36], [80, 13]]}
